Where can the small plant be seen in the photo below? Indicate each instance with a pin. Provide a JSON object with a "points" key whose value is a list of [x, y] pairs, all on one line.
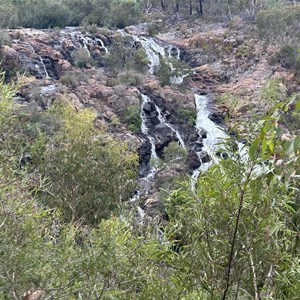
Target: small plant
{"points": [[164, 72], [187, 116], [115, 121], [5, 39], [89, 28], [289, 57], [132, 118], [174, 152], [72, 79], [81, 58], [272, 92], [131, 78]]}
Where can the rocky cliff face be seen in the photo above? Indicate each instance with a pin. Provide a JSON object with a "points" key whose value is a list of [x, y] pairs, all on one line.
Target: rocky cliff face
{"points": [[76, 65]]}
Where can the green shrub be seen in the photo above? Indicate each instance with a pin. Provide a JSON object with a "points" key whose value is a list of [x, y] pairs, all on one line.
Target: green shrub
{"points": [[164, 72], [174, 152], [8, 16], [89, 28], [289, 57], [139, 60], [130, 78], [72, 79], [280, 24], [272, 92], [5, 39], [133, 118], [124, 12], [81, 166], [187, 116], [81, 58]]}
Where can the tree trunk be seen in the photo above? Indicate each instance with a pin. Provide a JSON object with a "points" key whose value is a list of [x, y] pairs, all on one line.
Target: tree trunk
{"points": [[177, 6], [191, 7], [163, 5], [200, 7]]}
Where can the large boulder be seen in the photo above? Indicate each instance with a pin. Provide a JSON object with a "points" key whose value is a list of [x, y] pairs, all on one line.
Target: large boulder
{"points": [[193, 162], [10, 58]]}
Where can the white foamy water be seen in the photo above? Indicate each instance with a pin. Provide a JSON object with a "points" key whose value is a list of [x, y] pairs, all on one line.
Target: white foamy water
{"points": [[215, 134], [163, 120]]}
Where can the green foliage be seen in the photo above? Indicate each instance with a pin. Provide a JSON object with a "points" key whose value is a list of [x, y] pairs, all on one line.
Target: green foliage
{"points": [[289, 57], [132, 118], [235, 235], [81, 165], [124, 12], [131, 78], [164, 72], [273, 92], [123, 56], [186, 115], [240, 213], [139, 61], [72, 79], [280, 24], [57, 13], [174, 152], [81, 58], [8, 17]]}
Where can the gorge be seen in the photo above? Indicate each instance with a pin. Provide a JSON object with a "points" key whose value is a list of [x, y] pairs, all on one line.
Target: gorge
{"points": [[156, 161]]}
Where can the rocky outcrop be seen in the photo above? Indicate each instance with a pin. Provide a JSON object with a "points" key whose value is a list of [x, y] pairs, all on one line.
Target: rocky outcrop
{"points": [[10, 58], [72, 64]]}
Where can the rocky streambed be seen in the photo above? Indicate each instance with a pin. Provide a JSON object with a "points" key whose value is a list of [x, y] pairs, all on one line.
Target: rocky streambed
{"points": [[91, 70]]}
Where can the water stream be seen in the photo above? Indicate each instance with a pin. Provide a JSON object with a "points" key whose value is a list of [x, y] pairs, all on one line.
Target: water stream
{"points": [[83, 40], [155, 51], [215, 134], [163, 120], [145, 130], [41, 61]]}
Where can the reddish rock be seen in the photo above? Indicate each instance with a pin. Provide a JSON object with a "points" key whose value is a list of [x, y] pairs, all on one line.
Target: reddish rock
{"points": [[10, 58]]}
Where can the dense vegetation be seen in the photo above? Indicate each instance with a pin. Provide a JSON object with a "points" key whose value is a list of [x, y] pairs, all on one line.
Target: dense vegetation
{"points": [[236, 236], [67, 230], [120, 13]]}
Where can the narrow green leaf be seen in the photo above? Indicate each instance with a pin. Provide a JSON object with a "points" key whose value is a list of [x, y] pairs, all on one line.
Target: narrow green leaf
{"points": [[254, 148]]}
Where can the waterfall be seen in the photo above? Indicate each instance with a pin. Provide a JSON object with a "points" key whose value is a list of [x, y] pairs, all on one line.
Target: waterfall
{"points": [[152, 49], [155, 51], [215, 136], [164, 121], [145, 131], [41, 61], [84, 41]]}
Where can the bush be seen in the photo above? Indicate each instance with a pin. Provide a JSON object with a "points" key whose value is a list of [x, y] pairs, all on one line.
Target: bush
{"points": [[81, 166], [72, 79], [164, 72], [132, 118], [139, 60], [280, 24], [124, 13], [81, 58], [289, 57], [174, 152], [130, 78], [8, 16], [187, 116]]}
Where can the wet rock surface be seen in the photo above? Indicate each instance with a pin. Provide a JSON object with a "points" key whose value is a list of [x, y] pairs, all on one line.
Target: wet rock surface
{"points": [[223, 60]]}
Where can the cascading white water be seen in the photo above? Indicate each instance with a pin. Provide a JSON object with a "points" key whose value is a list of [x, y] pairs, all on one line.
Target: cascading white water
{"points": [[163, 120], [215, 134], [145, 131], [155, 51], [152, 49], [84, 41], [41, 60]]}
